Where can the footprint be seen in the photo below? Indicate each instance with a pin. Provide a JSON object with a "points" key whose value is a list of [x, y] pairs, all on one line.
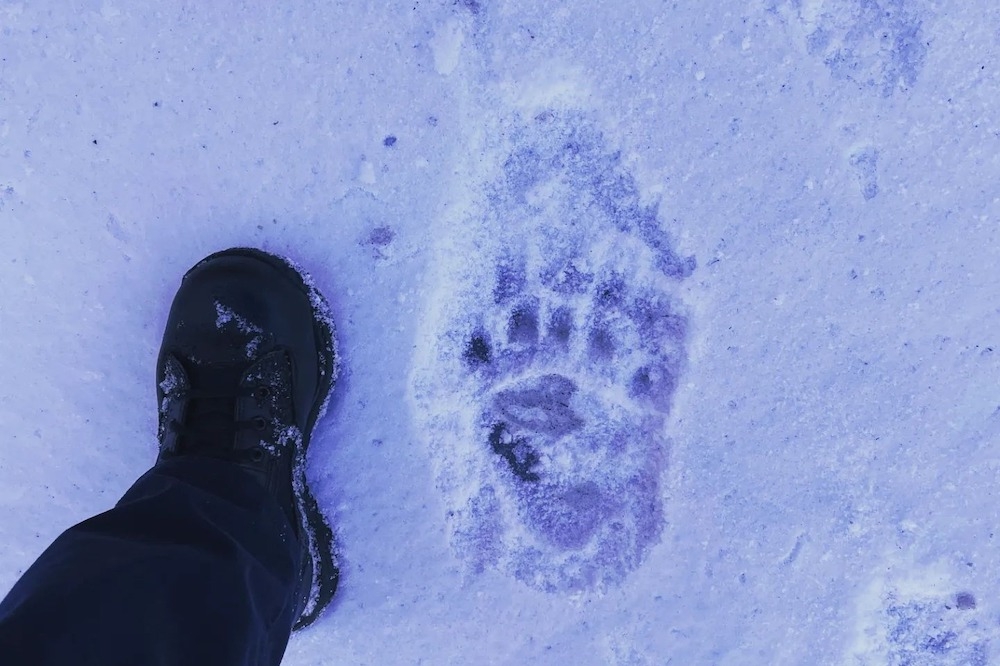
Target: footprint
{"points": [[921, 622], [559, 347], [864, 161], [938, 631], [877, 44]]}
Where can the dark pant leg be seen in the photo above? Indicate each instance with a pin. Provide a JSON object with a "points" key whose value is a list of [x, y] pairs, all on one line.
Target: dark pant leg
{"points": [[197, 564]]}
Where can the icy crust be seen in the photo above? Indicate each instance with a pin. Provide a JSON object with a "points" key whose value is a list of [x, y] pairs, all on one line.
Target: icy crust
{"points": [[554, 346]]}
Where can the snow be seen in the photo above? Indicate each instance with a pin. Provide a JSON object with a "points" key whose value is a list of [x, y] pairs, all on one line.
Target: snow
{"points": [[808, 475], [226, 317]]}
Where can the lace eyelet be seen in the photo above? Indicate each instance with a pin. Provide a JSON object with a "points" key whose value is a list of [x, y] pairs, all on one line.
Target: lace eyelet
{"points": [[262, 393], [256, 454], [259, 422]]}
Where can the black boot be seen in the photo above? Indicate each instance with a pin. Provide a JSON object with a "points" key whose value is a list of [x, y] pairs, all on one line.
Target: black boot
{"points": [[245, 370]]}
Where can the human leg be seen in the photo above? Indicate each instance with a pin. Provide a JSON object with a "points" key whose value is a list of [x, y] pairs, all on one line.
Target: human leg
{"points": [[216, 552]]}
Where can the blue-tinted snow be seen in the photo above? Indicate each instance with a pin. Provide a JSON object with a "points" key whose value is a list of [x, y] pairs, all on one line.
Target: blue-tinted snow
{"points": [[805, 433]]}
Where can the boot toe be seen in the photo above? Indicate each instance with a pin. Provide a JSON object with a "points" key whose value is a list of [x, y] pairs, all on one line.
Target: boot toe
{"points": [[238, 305]]}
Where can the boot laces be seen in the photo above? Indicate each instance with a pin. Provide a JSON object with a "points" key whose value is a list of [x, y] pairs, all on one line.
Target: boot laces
{"points": [[210, 424]]}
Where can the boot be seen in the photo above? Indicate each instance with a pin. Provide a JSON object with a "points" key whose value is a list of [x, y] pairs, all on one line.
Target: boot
{"points": [[246, 368]]}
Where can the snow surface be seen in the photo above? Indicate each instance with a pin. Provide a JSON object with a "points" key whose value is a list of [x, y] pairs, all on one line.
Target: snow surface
{"points": [[805, 472]]}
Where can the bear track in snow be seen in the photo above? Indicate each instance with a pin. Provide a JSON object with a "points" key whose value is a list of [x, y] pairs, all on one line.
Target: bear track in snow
{"points": [[557, 342]]}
